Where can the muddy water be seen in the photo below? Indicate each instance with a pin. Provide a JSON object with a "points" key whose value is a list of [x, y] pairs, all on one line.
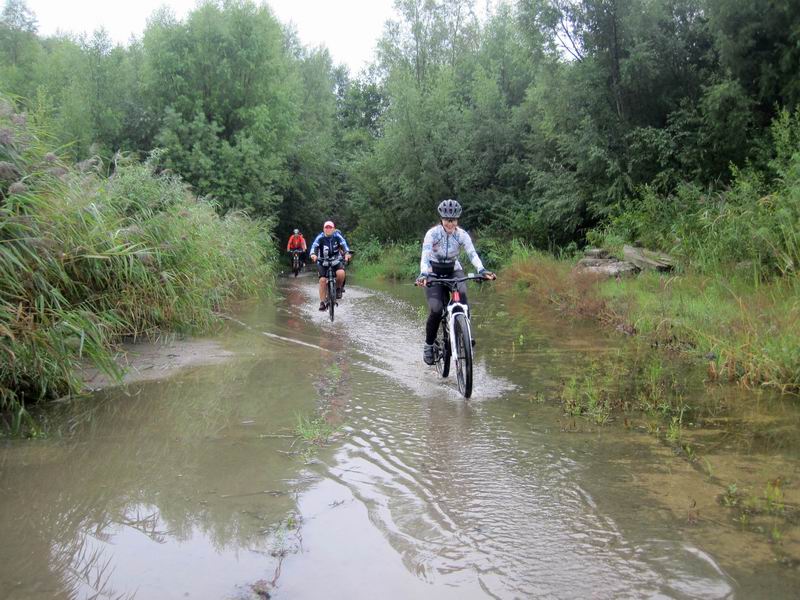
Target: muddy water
{"points": [[197, 487]]}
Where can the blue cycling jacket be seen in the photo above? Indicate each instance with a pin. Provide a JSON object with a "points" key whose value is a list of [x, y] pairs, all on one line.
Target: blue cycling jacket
{"points": [[328, 246]]}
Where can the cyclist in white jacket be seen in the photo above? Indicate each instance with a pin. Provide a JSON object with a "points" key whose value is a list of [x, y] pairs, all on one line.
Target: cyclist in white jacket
{"points": [[440, 251]]}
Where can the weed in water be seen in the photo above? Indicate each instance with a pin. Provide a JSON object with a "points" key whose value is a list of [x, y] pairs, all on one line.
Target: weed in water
{"points": [[709, 468], [775, 535], [731, 497], [675, 429], [773, 497], [570, 397], [691, 455], [334, 371], [314, 431], [307, 455], [743, 520]]}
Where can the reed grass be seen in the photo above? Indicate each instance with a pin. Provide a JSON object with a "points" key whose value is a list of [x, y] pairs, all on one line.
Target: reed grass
{"points": [[86, 259]]}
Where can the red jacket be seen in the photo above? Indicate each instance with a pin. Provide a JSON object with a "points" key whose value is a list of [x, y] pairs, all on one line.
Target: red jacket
{"points": [[296, 242]]}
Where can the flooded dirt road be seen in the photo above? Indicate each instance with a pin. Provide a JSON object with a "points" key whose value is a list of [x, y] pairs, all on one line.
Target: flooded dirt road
{"points": [[198, 486]]}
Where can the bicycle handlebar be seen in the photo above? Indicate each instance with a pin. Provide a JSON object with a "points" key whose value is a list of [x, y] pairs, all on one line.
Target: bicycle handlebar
{"points": [[451, 280]]}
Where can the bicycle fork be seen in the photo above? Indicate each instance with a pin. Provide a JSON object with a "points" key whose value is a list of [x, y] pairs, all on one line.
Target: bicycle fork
{"points": [[451, 321]]}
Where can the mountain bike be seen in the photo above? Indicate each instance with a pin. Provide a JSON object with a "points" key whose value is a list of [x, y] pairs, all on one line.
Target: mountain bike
{"points": [[454, 338], [297, 261], [331, 264]]}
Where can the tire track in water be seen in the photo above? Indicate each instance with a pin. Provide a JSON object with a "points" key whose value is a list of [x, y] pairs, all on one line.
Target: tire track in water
{"points": [[387, 333], [464, 498]]}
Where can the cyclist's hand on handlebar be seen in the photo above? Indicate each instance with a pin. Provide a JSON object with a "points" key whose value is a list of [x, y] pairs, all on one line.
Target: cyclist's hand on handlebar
{"points": [[347, 257], [421, 281], [313, 258], [488, 274]]}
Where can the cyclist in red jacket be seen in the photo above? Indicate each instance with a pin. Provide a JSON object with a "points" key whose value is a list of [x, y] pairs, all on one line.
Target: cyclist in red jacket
{"points": [[297, 242]]}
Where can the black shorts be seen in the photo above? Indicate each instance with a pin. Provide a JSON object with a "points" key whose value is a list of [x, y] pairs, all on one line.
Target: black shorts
{"points": [[323, 271]]}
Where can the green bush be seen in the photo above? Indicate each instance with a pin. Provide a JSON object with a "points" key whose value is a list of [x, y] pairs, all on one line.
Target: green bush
{"points": [[753, 225], [86, 259]]}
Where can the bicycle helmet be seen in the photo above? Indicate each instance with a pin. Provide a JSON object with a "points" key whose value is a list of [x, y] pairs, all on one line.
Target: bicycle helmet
{"points": [[296, 231], [449, 209]]}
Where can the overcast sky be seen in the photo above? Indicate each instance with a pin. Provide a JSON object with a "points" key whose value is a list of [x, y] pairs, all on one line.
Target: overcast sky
{"points": [[349, 28]]}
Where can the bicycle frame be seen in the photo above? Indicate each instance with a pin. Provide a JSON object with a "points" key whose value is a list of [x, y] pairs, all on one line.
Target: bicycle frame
{"points": [[331, 264], [456, 310], [296, 254], [455, 306]]}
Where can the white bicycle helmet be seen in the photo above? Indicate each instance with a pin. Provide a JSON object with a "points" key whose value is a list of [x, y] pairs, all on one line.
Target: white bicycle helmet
{"points": [[449, 209]]}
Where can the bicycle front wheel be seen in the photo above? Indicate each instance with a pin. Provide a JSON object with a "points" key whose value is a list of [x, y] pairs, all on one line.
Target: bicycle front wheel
{"points": [[463, 355], [331, 296]]}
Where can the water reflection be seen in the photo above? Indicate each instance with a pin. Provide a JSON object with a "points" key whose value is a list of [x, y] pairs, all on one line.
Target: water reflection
{"points": [[188, 487], [173, 479]]}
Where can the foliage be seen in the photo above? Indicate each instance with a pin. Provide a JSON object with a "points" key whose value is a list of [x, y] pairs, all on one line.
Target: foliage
{"points": [[396, 262], [745, 333], [671, 123], [86, 259], [548, 118], [751, 226]]}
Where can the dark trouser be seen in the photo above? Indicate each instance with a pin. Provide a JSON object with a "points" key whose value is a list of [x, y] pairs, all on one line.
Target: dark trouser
{"points": [[438, 296], [323, 271]]}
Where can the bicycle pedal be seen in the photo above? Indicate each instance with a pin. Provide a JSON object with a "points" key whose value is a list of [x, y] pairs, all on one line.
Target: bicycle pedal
{"points": [[473, 342]]}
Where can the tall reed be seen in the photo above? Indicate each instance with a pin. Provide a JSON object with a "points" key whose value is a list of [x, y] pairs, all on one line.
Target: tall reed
{"points": [[87, 258]]}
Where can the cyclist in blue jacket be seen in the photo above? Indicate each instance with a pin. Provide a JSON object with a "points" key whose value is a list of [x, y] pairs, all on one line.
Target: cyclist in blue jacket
{"points": [[328, 244], [440, 250]]}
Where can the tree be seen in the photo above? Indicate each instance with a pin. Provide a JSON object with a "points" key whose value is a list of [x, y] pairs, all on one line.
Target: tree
{"points": [[18, 27]]}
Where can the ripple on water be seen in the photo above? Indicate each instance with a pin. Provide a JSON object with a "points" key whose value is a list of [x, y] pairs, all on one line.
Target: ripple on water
{"points": [[470, 502], [384, 329]]}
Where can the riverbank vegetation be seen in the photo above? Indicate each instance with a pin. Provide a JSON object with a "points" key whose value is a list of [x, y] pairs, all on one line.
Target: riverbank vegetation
{"points": [[557, 123], [87, 259]]}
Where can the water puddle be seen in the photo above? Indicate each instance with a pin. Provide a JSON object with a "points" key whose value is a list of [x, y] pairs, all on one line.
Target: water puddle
{"points": [[197, 486]]}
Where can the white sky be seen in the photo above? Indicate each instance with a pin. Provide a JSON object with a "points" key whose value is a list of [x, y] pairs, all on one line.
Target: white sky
{"points": [[349, 28]]}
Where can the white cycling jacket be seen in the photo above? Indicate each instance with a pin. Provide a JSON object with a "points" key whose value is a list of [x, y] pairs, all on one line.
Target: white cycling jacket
{"points": [[439, 246]]}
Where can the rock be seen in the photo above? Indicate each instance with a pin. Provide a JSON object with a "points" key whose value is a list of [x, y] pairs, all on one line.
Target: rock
{"points": [[616, 269], [594, 262], [608, 267], [648, 259], [596, 253]]}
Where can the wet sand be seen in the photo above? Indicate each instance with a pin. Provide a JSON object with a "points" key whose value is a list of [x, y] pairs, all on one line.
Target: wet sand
{"points": [[151, 361]]}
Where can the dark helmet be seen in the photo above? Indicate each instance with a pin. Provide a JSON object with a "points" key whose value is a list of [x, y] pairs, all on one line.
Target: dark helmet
{"points": [[449, 209]]}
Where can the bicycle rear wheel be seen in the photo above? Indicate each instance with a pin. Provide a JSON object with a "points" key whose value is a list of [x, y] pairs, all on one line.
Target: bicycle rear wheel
{"points": [[331, 295], [463, 355], [442, 349]]}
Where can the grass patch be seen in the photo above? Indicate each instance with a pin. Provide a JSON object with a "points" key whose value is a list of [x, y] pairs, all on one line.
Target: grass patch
{"points": [[746, 332], [387, 262], [743, 328], [314, 431]]}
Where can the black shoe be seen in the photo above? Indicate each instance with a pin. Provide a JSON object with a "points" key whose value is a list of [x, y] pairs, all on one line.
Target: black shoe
{"points": [[339, 292], [323, 306], [427, 354]]}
